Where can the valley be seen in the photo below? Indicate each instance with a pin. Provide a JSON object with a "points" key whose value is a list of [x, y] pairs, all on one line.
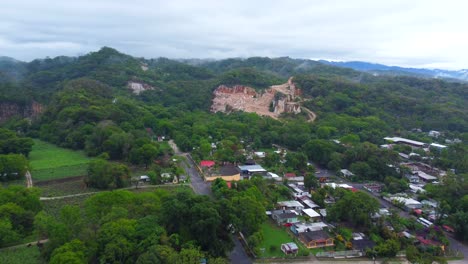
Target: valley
{"points": [[230, 161]]}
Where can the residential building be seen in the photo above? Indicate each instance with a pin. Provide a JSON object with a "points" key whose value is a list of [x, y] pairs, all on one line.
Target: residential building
{"points": [[284, 217], [251, 169], [308, 202], [290, 205], [408, 203], [437, 146], [316, 239], [289, 248], [346, 173], [260, 154], [409, 142], [312, 214], [227, 172], [434, 133], [301, 227], [412, 178]]}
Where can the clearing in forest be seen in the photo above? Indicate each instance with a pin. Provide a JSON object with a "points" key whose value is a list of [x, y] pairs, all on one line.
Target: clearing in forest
{"points": [[51, 162]]}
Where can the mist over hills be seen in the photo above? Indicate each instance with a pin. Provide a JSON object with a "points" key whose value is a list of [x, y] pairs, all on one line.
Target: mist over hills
{"points": [[376, 68], [284, 66]]}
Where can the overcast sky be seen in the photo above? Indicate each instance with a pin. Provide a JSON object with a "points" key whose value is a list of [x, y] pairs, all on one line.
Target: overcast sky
{"points": [[428, 33]]}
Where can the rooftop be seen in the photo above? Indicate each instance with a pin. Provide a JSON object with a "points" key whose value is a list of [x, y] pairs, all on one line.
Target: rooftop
{"points": [[307, 227], [310, 212], [252, 168], [207, 163], [291, 246], [290, 204], [286, 215], [425, 176], [406, 201], [405, 140], [315, 235], [346, 172], [438, 145], [229, 170]]}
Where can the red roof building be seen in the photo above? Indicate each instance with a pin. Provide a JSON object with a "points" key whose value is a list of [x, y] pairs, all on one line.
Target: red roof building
{"points": [[290, 174], [207, 163]]}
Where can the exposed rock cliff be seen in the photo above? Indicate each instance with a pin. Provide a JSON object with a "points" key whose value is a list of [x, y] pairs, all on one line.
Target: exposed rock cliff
{"points": [[271, 102], [29, 110], [138, 87]]}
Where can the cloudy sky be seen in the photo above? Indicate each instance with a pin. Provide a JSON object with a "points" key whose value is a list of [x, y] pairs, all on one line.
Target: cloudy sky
{"points": [[416, 33]]}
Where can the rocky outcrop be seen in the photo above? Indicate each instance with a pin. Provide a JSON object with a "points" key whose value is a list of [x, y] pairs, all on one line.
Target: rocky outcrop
{"points": [[138, 87], [271, 102], [28, 110]]}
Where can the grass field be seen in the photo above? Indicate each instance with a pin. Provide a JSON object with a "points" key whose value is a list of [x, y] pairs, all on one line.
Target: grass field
{"points": [[21, 255], [51, 162], [273, 237]]}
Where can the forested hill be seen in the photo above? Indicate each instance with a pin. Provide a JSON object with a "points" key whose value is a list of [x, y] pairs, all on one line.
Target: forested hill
{"points": [[174, 97]]}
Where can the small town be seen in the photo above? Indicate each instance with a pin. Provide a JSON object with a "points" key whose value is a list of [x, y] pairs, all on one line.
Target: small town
{"points": [[242, 132]]}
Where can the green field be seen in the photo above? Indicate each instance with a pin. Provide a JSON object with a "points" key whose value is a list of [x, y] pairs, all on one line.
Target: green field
{"points": [[51, 162], [20, 255]]}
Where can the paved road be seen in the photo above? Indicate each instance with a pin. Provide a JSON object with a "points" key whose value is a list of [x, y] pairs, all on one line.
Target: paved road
{"points": [[196, 180], [199, 186], [238, 255]]}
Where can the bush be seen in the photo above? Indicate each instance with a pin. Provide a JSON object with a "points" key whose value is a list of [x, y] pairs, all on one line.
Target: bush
{"points": [[273, 248]]}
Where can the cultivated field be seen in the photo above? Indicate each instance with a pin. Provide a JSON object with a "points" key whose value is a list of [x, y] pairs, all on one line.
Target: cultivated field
{"points": [[51, 162]]}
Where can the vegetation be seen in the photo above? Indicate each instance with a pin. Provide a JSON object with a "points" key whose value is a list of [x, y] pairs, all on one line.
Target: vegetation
{"points": [[13, 167], [105, 175], [273, 237], [10, 142], [51, 162], [355, 207], [126, 227], [20, 255], [18, 206], [90, 108]]}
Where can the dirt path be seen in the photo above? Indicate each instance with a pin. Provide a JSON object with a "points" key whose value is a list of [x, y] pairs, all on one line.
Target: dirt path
{"points": [[312, 115], [29, 182], [126, 188], [174, 147], [34, 243]]}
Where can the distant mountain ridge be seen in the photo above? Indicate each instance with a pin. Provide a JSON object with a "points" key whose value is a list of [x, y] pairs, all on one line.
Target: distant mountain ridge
{"points": [[396, 70]]}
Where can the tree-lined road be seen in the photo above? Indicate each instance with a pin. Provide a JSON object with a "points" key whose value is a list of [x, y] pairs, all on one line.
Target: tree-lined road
{"points": [[201, 187]]}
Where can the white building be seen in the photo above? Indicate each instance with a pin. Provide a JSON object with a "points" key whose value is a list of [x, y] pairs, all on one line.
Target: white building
{"points": [[295, 205], [311, 213], [434, 133]]}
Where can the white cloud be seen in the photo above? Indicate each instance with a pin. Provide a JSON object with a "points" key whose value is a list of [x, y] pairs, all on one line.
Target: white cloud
{"points": [[408, 33]]}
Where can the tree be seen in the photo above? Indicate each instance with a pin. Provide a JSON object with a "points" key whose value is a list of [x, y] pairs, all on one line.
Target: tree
{"points": [[147, 153], [319, 150], [389, 248], [71, 252], [296, 161], [13, 166], [310, 181], [356, 207], [10, 143], [104, 175]]}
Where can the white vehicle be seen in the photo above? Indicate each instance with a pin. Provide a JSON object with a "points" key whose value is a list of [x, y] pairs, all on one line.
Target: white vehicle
{"points": [[424, 222]]}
